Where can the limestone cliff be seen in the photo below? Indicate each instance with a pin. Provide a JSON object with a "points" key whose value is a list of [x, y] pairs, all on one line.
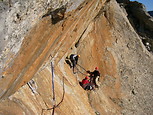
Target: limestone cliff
{"points": [[101, 33]]}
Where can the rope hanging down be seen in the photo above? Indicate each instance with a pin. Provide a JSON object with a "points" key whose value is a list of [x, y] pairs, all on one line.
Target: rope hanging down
{"points": [[53, 91], [52, 69]]}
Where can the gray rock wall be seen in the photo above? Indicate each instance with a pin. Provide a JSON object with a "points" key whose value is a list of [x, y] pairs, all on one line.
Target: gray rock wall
{"points": [[17, 20]]}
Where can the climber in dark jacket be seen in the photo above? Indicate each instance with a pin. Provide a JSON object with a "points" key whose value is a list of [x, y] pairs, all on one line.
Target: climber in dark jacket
{"points": [[74, 59], [95, 73], [94, 76]]}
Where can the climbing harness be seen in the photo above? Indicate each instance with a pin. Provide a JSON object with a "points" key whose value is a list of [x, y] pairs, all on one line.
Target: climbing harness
{"points": [[53, 92]]}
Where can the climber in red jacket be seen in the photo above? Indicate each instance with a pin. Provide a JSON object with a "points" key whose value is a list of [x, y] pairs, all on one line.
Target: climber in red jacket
{"points": [[86, 83], [85, 80]]}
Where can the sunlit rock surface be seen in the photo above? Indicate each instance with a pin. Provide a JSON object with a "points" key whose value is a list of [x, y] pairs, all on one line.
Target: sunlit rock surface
{"points": [[100, 32]]}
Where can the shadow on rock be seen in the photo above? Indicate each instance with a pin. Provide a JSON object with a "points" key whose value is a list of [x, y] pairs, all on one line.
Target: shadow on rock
{"points": [[68, 62], [56, 15]]}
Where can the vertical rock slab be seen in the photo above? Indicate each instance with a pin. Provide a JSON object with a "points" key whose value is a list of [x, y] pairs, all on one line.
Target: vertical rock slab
{"points": [[43, 40]]}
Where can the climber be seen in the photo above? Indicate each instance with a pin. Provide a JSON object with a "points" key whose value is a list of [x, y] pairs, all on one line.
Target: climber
{"points": [[95, 73], [94, 77], [86, 83], [74, 59]]}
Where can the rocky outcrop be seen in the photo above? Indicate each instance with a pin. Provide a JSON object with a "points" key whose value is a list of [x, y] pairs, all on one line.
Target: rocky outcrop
{"points": [[34, 58], [139, 12], [140, 20], [101, 33], [16, 20]]}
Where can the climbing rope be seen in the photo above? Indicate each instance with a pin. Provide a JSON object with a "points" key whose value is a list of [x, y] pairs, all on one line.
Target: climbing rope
{"points": [[62, 96], [82, 67], [53, 92], [81, 72], [61, 99]]}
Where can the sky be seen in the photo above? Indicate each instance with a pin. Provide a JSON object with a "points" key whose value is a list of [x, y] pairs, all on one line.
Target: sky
{"points": [[147, 3]]}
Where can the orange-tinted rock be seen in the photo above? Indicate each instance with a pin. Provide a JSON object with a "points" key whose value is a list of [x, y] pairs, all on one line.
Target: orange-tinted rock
{"points": [[105, 39]]}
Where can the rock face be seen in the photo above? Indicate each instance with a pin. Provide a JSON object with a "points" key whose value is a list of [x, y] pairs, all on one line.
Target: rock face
{"points": [[101, 33], [141, 21], [16, 21]]}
